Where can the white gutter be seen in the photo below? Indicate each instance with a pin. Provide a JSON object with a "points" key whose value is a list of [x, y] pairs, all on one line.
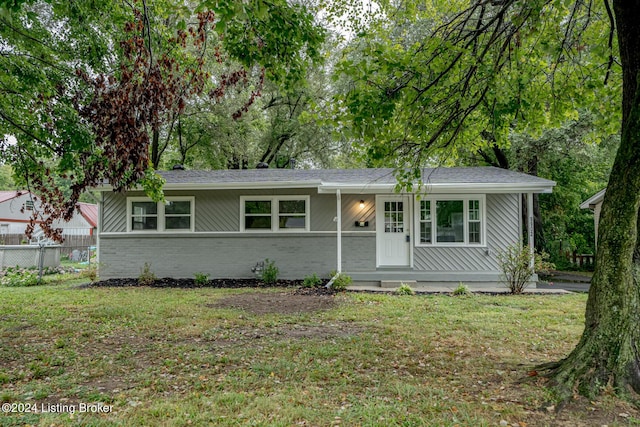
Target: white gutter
{"points": [[228, 185], [359, 188], [441, 188]]}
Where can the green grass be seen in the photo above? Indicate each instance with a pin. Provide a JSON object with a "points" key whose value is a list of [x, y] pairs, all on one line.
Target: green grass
{"points": [[171, 357]]}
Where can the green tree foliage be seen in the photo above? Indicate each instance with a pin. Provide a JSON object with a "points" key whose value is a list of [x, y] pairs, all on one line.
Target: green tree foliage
{"points": [[284, 123], [6, 178], [425, 74], [580, 167], [519, 66], [88, 88]]}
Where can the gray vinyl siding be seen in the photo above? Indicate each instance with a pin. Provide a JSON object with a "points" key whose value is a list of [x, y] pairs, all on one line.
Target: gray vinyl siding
{"points": [[218, 248], [114, 213], [219, 210], [220, 256], [351, 212], [502, 230], [323, 211]]}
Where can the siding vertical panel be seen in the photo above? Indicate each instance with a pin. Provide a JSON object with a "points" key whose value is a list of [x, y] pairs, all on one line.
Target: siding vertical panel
{"points": [[115, 213], [351, 212], [217, 211], [502, 220], [322, 211]]}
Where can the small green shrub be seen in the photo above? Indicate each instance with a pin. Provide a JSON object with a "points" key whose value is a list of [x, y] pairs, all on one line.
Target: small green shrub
{"points": [[341, 282], [270, 272], [462, 289], [90, 273], [404, 289], [515, 263], [146, 277], [201, 279], [311, 281], [18, 277]]}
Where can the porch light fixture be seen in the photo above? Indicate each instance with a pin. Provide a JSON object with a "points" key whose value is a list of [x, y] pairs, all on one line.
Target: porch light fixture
{"points": [[361, 204]]}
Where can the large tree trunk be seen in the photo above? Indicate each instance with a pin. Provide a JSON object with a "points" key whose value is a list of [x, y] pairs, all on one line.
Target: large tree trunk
{"points": [[609, 351], [155, 148]]}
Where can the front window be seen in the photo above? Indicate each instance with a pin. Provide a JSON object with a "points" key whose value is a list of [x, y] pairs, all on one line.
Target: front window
{"points": [[292, 214], [474, 221], [425, 221], [257, 214], [144, 216], [277, 213], [450, 221], [175, 214]]}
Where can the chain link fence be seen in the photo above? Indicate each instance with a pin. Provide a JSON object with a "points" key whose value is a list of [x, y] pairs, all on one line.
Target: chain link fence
{"points": [[76, 253], [29, 256]]}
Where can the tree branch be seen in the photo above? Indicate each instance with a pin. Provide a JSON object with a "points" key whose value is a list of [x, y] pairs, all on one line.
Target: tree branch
{"points": [[612, 32]]}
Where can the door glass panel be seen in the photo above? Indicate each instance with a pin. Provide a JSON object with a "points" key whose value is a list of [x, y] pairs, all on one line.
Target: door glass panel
{"points": [[393, 217]]}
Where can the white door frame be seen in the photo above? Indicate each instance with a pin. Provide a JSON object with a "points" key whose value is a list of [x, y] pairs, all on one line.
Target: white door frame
{"points": [[407, 219]]}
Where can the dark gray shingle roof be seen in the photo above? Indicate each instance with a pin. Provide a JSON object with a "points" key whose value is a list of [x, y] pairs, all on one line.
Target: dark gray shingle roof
{"points": [[457, 175], [485, 177]]}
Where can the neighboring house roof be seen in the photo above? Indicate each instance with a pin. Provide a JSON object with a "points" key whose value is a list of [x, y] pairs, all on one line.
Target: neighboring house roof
{"points": [[592, 201], [8, 195], [89, 212], [458, 179]]}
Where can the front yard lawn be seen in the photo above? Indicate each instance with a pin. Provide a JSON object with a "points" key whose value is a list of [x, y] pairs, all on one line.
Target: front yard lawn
{"points": [[172, 357]]}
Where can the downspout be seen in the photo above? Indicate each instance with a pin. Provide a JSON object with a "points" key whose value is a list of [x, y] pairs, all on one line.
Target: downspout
{"points": [[338, 220], [530, 231], [339, 228], [99, 230]]}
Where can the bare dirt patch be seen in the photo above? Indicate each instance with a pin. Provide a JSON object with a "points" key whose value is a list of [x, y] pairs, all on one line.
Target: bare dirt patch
{"points": [[277, 303]]}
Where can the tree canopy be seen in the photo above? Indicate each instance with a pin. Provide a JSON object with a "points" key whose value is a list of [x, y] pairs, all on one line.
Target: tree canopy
{"points": [[87, 86], [428, 78], [95, 91], [428, 74]]}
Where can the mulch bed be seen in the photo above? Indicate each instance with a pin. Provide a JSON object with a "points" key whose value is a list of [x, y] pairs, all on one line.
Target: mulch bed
{"points": [[169, 282]]}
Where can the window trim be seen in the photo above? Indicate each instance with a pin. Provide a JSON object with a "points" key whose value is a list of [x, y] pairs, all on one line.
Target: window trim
{"points": [[275, 214], [465, 213], [161, 214]]}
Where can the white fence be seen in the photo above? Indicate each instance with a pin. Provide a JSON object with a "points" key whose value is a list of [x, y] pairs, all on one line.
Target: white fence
{"points": [[29, 256]]}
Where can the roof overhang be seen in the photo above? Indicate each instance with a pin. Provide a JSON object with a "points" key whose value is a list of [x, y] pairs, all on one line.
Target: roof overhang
{"points": [[453, 188], [592, 201], [228, 185], [361, 188]]}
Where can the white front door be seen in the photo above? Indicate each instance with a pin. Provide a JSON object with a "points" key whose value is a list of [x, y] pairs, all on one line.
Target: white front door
{"points": [[392, 231]]}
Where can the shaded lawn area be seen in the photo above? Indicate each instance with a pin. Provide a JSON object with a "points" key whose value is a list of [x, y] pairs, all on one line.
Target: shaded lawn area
{"points": [[238, 357]]}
